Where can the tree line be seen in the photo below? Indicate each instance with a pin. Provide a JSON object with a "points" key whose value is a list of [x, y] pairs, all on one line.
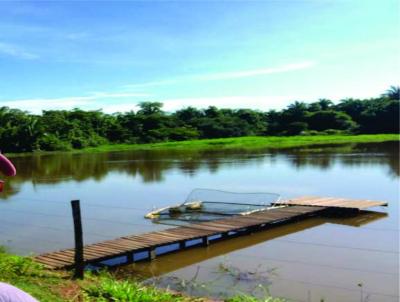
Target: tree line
{"points": [[21, 131]]}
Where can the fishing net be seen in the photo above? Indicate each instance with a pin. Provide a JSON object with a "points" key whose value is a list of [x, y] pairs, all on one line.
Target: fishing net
{"points": [[207, 205]]}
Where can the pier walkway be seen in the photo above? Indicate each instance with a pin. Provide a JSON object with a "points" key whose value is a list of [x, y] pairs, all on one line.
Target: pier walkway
{"points": [[150, 245]]}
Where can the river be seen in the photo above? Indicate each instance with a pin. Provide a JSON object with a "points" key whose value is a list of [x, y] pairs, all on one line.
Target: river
{"points": [[352, 259]]}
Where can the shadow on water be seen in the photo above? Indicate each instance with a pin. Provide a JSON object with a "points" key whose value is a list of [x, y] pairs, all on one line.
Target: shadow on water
{"points": [[225, 279], [175, 261], [151, 166]]}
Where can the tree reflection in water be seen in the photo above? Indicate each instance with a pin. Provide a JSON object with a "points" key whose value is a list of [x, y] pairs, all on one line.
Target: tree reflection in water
{"points": [[151, 166]]}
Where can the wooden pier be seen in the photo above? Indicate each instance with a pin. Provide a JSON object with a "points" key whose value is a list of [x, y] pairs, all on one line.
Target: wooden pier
{"points": [[332, 202], [150, 245]]}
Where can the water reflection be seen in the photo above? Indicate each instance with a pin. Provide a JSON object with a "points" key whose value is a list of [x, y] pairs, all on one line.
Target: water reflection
{"points": [[118, 188], [151, 166], [175, 261]]}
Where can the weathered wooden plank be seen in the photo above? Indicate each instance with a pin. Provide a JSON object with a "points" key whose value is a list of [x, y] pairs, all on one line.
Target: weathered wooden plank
{"points": [[292, 209], [49, 263], [333, 202], [56, 260]]}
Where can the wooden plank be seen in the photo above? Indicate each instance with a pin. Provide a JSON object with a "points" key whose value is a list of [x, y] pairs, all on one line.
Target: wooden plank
{"points": [[301, 209], [218, 227], [190, 234], [201, 227], [63, 257], [173, 236], [159, 238], [139, 243], [294, 208], [89, 252], [297, 200], [114, 248], [314, 202], [57, 260], [99, 247], [52, 258], [361, 204], [333, 202], [49, 263]]}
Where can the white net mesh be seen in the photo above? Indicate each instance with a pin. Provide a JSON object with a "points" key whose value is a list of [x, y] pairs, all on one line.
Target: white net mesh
{"points": [[210, 195], [208, 204]]}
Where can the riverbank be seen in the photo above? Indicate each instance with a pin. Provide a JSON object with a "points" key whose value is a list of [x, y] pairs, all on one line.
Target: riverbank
{"points": [[58, 286], [232, 143], [250, 142]]}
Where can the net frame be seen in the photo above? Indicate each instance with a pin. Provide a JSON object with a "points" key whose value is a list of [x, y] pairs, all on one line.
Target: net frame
{"points": [[273, 197], [215, 204]]}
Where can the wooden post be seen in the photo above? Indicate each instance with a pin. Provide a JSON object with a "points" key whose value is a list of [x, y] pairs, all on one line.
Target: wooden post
{"points": [[130, 257], [152, 253], [79, 262]]}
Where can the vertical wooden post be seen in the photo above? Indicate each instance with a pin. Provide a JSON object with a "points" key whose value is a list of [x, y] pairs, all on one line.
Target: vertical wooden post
{"points": [[130, 257], [79, 262], [152, 253]]}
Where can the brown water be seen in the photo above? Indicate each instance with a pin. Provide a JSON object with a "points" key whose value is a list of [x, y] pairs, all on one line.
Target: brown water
{"points": [[353, 259]]}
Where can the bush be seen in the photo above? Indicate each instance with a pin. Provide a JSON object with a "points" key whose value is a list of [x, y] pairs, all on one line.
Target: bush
{"points": [[329, 119], [297, 128], [96, 140], [334, 132], [183, 133], [79, 142], [311, 132], [12, 266], [111, 290], [50, 142]]}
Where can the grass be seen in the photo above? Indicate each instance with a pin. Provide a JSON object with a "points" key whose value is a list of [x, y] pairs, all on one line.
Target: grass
{"points": [[251, 142], [52, 286], [246, 298], [242, 143], [29, 276]]}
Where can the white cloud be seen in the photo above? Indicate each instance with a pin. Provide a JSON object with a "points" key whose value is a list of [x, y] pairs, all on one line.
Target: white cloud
{"points": [[227, 75], [16, 51], [113, 108], [89, 102], [111, 102], [233, 102], [253, 72], [93, 102]]}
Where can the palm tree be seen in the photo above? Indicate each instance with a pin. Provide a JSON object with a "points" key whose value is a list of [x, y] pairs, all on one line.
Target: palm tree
{"points": [[393, 93]]}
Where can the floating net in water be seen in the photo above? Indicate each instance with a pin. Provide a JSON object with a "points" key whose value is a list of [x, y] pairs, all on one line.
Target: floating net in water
{"points": [[207, 205]]}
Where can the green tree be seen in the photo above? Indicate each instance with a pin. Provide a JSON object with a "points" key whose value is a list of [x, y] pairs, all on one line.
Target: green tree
{"points": [[148, 108], [329, 119], [393, 93]]}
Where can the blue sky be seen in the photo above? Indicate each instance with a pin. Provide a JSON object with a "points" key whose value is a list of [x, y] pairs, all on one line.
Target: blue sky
{"points": [[241, 54]]}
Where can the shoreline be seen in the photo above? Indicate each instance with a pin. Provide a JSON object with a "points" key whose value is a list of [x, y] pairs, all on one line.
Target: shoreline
{"points": [[59, 286], [247, 143]]}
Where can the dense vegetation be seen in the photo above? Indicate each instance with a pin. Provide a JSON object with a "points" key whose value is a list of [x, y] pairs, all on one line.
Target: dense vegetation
{"points": [[76, 129]]}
